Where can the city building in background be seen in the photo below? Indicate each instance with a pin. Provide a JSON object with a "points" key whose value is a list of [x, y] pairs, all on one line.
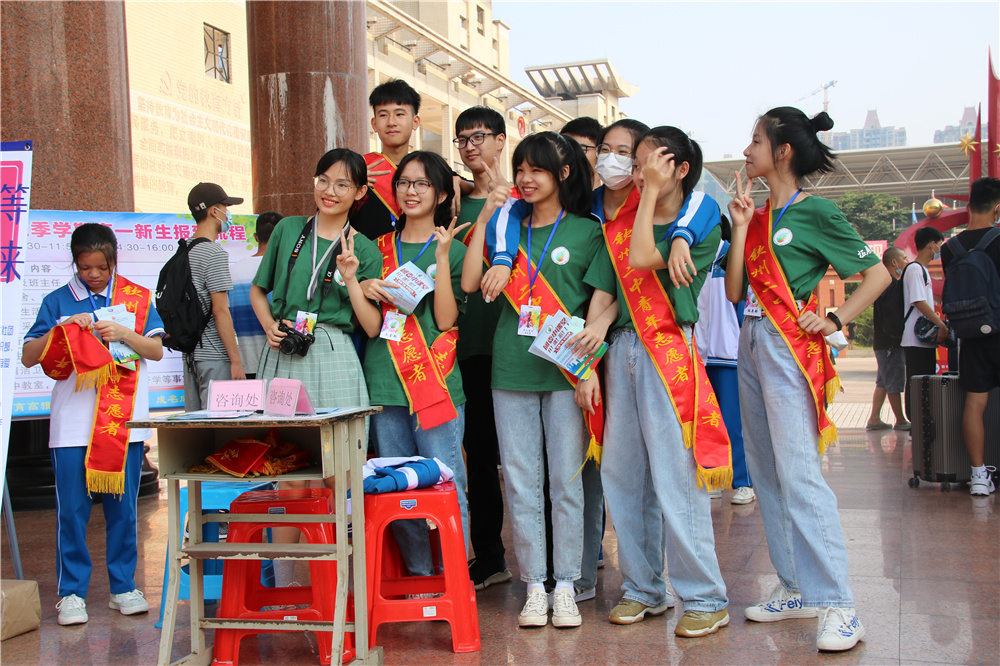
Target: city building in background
{"points": [[871, 135], [955, 133], [591, 88]]}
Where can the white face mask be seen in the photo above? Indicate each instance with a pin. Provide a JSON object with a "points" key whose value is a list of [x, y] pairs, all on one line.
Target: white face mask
{"points": [[614, 170]]}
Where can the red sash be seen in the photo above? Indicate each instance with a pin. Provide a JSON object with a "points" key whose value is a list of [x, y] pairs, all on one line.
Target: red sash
{"points": [[422, 369], [768, 281], [383, 184], [681, 370], [545, 296], [72, 349]]}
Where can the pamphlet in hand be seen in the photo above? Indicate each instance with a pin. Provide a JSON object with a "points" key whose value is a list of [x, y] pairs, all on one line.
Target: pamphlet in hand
{"points": [[413, 283], [552, 344], [120, 351]]}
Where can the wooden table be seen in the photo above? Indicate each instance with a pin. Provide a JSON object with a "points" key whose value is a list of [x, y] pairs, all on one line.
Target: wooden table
{"points": [[339, 449]]}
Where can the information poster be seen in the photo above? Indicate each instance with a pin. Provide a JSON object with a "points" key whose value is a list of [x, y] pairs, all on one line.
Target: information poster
{"points": [[145, 242], [15, 197]]}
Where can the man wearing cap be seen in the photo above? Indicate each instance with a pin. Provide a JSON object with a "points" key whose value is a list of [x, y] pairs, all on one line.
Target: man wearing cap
{"points": [[217, 357]]}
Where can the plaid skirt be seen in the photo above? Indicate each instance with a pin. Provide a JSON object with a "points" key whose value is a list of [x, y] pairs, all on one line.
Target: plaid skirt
{"points": [[330, 371]]}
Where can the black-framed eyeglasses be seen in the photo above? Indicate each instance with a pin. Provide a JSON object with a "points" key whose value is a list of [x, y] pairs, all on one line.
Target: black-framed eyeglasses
{"points": [[340, 188], [621, 151], [421, 186], [585, 148], [476, 139]]}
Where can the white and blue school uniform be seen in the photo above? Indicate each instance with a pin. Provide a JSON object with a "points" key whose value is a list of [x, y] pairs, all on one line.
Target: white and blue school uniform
{"points": [[718, 335], [68, 441]]}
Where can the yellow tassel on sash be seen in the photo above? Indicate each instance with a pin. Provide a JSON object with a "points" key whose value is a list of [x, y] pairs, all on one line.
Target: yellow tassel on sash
{"points": [[105, 482]]}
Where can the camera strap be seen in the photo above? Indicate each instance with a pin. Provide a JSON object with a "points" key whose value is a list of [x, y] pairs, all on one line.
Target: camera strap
{"points": [[331, 267]]}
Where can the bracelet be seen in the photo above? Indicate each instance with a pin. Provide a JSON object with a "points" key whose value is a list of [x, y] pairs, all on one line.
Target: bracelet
{"points": [[835, 319]]}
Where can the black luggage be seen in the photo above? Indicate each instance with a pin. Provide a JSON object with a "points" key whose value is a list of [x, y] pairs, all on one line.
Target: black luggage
{"points": [[939, 452]]}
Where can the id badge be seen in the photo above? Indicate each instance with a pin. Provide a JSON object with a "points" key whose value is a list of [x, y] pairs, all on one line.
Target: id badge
{"points": [[752, 306], [529, 319], [392, 326], [305, 322]]}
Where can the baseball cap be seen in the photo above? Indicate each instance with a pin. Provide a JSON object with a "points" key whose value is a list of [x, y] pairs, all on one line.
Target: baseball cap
{"points": [[204, 195]]}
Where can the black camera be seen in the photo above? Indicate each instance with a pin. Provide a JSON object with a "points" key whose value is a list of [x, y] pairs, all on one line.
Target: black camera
{"points": [[294, 342]]}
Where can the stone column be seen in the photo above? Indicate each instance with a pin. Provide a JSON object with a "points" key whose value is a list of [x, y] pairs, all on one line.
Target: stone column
{"points": [[308, 94], [65, 87]]}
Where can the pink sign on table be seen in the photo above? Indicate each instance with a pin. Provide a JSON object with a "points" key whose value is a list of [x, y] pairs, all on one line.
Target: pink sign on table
{"points": [[287, 397], [245, 395]]}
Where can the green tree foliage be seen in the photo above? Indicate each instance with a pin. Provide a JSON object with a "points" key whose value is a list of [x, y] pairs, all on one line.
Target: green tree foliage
{"points": [[864, 329], [871, 215]]}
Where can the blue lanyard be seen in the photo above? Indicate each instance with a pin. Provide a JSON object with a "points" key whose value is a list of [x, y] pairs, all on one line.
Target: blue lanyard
{"points": [[399, 249], [538, 268], [107, 297], [785, 207]]}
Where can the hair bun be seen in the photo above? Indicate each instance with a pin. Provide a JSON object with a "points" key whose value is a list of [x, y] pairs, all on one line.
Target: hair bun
{"points": [[821, 122]]}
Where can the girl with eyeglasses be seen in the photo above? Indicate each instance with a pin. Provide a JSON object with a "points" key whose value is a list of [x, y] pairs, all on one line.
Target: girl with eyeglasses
{"points": [[785, 370], [410, 362], [537, 407]]}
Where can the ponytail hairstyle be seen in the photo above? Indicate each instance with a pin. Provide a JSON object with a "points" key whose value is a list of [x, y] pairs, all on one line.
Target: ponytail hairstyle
{"points": [[436, 170], [682, 146], [357, 172], [93, 237], [551, 152], [786, 124]]}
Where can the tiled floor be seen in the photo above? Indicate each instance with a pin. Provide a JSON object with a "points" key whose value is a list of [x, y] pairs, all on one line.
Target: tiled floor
{"points": [[924, 568]]}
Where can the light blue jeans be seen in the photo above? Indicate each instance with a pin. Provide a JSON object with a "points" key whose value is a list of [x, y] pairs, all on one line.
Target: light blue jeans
{"points": [[799, 510], [523, 419], [593, 524], [650, 477], [399, 435]]}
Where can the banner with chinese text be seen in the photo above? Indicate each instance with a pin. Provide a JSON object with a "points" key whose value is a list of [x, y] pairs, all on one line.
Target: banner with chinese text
{"points": [[15, 191], [145, 242]]}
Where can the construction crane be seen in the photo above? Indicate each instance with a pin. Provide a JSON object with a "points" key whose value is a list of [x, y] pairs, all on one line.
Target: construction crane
{"points": [[823, 88]]}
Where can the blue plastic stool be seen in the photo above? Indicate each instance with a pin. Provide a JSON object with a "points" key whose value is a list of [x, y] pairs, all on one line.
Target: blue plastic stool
{"points": [[216, 496]]}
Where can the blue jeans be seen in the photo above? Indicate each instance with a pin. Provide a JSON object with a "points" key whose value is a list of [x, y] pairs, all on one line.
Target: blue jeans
{"points": [[523, 419], [593, 524], [799, 510], [399, 435], [726, 384], [647, 473], [73, 505]]}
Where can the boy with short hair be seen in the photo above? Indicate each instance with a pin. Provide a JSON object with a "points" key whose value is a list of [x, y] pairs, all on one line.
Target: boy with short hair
{"points": [[586, 131], [918, 299], [480, 137], [395, 108]]}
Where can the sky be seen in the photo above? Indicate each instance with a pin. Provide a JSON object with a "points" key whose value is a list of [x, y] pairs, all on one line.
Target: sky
{"points": [[712, 68]]}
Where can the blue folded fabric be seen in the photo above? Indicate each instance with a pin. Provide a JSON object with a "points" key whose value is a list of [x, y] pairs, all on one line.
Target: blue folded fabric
{"points": [[404, 476]]}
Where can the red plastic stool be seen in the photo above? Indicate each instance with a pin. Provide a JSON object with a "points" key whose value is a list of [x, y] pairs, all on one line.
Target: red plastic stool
{"points": [[243, 596], [388, 583]]}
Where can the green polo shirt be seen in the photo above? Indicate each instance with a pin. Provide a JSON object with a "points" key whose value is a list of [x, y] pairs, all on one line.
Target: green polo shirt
{"points": [[685, 299], [812, 236], [384, 385], [479, 321], [273, 275], [568, 267]]}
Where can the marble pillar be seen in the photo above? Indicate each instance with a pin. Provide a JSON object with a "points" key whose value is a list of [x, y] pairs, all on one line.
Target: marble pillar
{"points": [[65, 86], [308, 94]]}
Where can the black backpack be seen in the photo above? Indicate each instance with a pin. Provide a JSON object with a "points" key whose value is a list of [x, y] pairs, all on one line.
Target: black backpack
{"points": [[971, 296], [888, 311], [177, 302]]}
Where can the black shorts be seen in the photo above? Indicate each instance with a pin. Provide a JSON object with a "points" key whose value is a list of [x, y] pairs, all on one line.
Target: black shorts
{"points": [[979, 365]]}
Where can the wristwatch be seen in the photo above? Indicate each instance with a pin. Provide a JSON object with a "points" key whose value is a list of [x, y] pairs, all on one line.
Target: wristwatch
{"points": [[835, 319]]}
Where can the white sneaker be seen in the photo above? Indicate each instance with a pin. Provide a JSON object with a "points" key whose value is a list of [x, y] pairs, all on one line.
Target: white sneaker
{"points": [[782, 605], [536, 610], [982, 484], [744, 495], [581, 595], [129, 603], [564, 610], [840, 629], [72, 610]]}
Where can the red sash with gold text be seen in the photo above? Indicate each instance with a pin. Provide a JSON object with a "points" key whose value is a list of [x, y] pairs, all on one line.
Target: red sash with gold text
{"points": [[681, 370], [545, 296], [422, 369], [72, 349], [383, 184], [768, 281]]}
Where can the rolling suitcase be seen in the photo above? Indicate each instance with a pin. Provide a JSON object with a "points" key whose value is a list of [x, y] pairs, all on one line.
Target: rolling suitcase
{"points": [[939, 452]]}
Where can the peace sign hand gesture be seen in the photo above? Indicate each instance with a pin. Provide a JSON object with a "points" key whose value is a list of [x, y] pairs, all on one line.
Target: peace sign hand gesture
{"points": [[444, 236], [741, 208], [372, 175], [500, 189], [347, 261]]}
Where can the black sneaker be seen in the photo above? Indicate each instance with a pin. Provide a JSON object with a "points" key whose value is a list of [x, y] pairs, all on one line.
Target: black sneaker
{"points": [[483, 576]]}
